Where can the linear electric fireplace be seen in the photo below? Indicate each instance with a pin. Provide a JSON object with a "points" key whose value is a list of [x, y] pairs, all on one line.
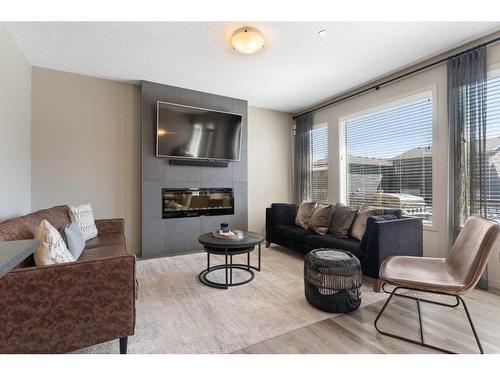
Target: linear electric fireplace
{"points": [[197, 202]]}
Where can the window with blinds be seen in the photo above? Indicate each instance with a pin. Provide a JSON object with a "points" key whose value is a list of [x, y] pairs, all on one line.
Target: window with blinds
{"points": [[319, 161], [386, 157], [493, 146]]}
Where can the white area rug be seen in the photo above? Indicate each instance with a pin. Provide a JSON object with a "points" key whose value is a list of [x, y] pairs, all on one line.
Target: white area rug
{"points": [[178, 314]]}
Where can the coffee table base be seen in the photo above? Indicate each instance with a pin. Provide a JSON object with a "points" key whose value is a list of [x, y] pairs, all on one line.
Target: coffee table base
{"points": [[228, 267], [213, 284]]}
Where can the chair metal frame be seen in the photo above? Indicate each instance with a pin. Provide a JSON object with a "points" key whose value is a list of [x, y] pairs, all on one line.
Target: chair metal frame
{"points": [[422, 341]]}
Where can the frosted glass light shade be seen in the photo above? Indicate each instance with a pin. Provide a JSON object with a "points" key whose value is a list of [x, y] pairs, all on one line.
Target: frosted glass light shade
{"points": [[247, 40]]}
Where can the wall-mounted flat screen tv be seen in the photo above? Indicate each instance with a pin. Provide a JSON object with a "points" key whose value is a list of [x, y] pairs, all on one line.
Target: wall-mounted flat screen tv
{"points": [[197, 133]]}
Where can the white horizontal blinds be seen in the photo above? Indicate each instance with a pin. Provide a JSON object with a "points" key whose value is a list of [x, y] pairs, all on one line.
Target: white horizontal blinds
{"points": [[493, 147], [389, 157], [319, 161]]}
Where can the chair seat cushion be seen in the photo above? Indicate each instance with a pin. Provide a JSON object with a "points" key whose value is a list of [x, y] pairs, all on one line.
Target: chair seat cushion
{"points": [[420, 273], [105, 240], [292, 232], [102, 252], [332, 242]]}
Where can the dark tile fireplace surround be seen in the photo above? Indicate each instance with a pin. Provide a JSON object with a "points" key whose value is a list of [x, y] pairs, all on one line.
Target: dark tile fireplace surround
{"points": [[207, 207]]}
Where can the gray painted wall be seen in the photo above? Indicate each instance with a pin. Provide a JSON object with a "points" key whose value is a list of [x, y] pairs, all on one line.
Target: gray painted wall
{"points": [[174, 236], [15, 129], [86, 146]]}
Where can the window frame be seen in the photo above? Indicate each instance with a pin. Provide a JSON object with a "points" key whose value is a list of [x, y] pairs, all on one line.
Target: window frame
{"points": [[399, 100], [323, 124]]}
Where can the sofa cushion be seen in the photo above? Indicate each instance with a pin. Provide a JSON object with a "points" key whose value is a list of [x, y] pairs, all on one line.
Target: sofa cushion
{"points": [[320, 219], [19, 228], [102, 252], [292, 232], [105, 240], [283, 213], [74, 239], [390, 211], [342, 219], [52, 249], [57, 216], [304, 214], [332, 242], [359, 225], [84, 216], [24, 227]]}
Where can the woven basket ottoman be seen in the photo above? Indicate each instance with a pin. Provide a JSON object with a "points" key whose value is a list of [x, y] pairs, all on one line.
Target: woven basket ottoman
{"points": [[332, 280]]}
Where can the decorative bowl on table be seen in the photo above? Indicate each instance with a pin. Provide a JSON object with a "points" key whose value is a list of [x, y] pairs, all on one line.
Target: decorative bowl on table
{"points": [[229, 235]]}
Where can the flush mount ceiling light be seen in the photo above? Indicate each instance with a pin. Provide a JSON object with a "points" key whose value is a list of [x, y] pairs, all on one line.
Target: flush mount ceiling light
{"points": [[247, 40], [322, 33]]}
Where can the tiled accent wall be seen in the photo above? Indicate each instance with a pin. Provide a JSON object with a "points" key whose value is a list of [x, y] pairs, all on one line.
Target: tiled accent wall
{"points": [[175, 236]]}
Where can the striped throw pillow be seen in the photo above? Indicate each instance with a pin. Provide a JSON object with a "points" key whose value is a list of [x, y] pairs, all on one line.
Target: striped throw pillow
{"points": [[84, 217]]}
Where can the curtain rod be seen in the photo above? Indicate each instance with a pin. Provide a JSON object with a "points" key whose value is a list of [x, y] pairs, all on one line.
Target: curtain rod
{"points": [[404, 75]]}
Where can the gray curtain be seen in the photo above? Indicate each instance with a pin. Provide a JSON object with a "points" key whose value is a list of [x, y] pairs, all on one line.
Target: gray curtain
{"points": [[467, 75], [302, 157]]}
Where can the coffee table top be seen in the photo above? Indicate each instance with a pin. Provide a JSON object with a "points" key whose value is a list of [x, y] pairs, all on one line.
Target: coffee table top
{"points": [[249, 239]]}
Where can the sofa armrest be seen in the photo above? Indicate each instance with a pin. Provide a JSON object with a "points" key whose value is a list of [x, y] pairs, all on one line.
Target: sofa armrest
{"points": [[279, 213], [282, 214], [391, 237], [110, 226], [64, 307]]}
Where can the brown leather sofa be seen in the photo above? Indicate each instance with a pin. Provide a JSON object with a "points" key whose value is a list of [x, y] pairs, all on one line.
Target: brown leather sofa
{"points": [[64, 307]]}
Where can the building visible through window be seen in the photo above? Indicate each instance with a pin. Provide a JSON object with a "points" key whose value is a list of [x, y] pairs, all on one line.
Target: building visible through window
{"points": [[493, 146], [319, 160], [386, 157]]}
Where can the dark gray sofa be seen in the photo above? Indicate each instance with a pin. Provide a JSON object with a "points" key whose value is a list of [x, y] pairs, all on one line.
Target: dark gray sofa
{"points": [[382, 237]]}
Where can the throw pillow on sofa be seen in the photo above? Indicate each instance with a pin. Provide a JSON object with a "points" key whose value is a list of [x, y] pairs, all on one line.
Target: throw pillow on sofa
{"points": [[74, 239], [304, 214], [84, 216], [320, 219], [52, 249], [342, 219], [359, 225]]}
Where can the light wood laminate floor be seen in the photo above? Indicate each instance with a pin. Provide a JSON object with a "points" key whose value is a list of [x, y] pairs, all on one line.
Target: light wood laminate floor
{"points": [[355, 333]]}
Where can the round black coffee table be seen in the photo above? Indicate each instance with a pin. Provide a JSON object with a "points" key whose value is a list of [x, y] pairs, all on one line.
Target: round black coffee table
{"points": [[228, 248]]}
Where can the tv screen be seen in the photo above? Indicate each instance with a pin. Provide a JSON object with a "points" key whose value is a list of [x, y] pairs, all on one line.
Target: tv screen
{"points": [[190, 132]]}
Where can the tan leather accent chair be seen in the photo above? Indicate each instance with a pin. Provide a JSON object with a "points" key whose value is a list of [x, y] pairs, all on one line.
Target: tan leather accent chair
{"points": [[453, 276]]}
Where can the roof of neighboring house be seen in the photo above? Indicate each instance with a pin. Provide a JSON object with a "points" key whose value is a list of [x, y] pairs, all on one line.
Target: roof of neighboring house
{"points": [[414, 153], [320, 164], [354, 159], [492, 144], [366, 184]]}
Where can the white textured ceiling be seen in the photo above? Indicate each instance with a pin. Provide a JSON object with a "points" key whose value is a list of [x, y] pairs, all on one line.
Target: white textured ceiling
{"points": [[296, 68]]}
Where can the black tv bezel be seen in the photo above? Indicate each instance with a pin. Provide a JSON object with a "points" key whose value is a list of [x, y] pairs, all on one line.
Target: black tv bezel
{"points": [[158, 102]]}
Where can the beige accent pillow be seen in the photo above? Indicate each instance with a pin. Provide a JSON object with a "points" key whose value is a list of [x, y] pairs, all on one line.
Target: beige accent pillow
{"points": [[320, 219], [84, 216], [52, 249], [359, 226], [304, 214]]}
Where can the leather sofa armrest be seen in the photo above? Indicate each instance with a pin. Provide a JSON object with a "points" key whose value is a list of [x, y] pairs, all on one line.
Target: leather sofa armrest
{"points": [[64, 307], [387, 238], [110, 226]]}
